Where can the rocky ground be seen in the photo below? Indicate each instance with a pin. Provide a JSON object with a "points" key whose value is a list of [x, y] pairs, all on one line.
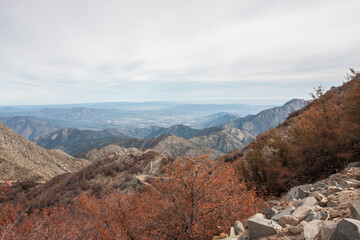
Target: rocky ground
{"points": [[326, 210]]}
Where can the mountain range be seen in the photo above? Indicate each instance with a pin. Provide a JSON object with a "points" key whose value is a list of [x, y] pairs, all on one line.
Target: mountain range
{"points": [[22, 160], [177, 140], [31, 127]]}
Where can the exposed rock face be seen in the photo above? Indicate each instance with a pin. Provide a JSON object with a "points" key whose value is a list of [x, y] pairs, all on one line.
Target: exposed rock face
{"points": [[305, 216], [22, 160]]}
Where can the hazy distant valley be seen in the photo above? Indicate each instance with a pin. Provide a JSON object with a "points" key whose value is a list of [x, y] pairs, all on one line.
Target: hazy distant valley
{"points": [[99, 116]]}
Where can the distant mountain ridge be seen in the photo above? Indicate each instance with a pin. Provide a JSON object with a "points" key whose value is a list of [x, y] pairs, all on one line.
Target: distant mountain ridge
{"points": [[262, 121], [177, 140], [30, 127], [22, 160]]}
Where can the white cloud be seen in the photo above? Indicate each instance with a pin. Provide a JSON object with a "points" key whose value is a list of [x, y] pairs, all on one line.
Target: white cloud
{"points": [[87, 46]]}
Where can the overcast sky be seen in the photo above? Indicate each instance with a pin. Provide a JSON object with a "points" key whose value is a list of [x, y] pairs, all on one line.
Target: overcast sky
{"points": [[74, 51]]}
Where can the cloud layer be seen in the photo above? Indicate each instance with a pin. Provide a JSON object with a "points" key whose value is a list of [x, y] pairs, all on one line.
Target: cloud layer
{"points": [[197, 51]]}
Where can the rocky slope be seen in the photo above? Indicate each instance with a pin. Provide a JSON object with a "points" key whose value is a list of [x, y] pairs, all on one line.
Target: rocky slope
{"points": [[259, 123], [30, 127], [22, 160], [326, 210], [97, 153]]}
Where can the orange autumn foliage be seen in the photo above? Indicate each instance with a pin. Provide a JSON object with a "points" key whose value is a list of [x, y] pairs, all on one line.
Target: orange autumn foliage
{"points": [[197, 198]]}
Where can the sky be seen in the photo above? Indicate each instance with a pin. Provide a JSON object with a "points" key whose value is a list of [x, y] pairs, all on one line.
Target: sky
{"points": [[194, 51]]}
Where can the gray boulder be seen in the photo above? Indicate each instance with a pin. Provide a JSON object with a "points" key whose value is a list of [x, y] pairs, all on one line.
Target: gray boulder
{"points": [[310, 201], [239, 227], [355, 210], [297, 192], [347, 229], [327, 229], [312, 230], [301, 212], [259, 227]]}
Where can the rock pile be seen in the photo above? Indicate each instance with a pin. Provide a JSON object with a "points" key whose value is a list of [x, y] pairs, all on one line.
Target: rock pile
{"points": [[326, 210]]}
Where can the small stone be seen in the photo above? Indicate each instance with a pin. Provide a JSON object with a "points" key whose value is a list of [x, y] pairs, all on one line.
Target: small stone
{"points": [[347, 229], [288, 219], [310, 201], [239, 227], [287, 211], [312, 216], [355, 210], [333, 189], [270, 212], [295, 229], [351, 188], [352, 183], [312, 230], [327, 229], [318, 196], [323, 201], [301, 212], [323, 215]]}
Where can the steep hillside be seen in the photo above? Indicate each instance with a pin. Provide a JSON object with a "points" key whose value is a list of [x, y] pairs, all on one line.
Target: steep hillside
{"points": [[65, 139], [22, 160], [30, 127], [126, 172], [312, 143], [262, 121]]}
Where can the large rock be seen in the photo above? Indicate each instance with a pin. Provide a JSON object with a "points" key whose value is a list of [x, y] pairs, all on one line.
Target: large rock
{"points": [[347, 229], [310, 201], [257, 215], [288, 220], [260, 227], [239, 227], [312, 230], [297, 192], [327, 229], [301, 212], [287, 211], [355, 210]]}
